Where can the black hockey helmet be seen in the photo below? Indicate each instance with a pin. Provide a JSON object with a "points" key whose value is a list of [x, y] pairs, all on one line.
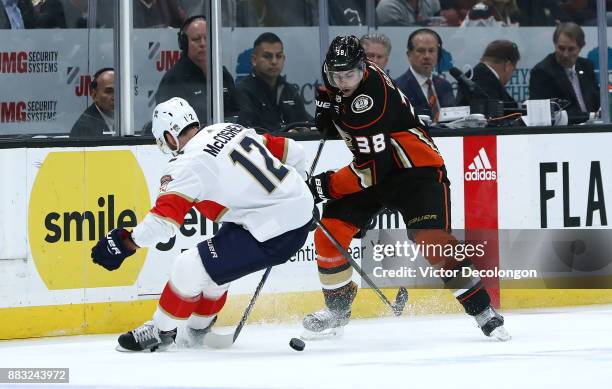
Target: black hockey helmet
{"points": [[345, 53]]}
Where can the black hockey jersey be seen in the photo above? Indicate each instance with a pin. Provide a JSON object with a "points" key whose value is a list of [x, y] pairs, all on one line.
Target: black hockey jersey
{"points": [[380, 127]]}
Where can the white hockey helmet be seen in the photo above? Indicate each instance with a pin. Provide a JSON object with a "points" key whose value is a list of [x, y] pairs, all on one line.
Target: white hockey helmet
{"points": [[172, 117]]}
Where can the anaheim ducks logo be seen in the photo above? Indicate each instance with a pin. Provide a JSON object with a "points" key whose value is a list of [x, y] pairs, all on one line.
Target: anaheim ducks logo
{"points": [[362, 103]]}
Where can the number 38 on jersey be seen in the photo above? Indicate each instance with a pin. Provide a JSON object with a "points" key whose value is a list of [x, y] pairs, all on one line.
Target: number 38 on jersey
{"points": [[371, 144]]}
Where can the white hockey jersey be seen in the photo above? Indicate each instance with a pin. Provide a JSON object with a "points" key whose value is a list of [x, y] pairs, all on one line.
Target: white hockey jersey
{"points": [[232, 174]]}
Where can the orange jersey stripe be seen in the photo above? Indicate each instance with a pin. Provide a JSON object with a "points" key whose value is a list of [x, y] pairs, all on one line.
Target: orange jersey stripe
{"points": [[344, 182], [419, 148], [172, 206]]}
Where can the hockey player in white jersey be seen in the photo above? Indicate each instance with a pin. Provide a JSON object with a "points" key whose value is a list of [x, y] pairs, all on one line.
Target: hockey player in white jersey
{"points": [[252, 183]]}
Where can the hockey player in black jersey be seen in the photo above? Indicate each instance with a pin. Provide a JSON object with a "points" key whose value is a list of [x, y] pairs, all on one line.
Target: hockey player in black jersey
{"points": [[396, 165]]}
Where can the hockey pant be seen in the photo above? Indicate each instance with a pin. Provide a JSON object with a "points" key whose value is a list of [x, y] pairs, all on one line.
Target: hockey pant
{"points": [[422, 197], [190, 295]]}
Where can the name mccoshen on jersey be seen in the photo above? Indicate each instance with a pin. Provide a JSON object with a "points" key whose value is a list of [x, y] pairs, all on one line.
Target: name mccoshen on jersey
{"points": [[222, 138]]}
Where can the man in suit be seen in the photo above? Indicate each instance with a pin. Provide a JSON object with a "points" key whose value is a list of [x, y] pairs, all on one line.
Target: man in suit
{"points": [[426, 92], [99, 118], [491, 75], [564, 75], [16, 14]]}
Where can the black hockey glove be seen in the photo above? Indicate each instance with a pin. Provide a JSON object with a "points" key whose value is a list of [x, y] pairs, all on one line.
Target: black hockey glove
{"points": [[323, 115], [319, 186], [110, 251]]}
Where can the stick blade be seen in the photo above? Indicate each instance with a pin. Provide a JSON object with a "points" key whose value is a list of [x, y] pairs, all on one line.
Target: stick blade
{"points": [[219, 341], [400, 301]]}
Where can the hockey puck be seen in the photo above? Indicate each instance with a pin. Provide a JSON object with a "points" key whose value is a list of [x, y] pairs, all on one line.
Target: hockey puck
{"points": [[297, 344]]}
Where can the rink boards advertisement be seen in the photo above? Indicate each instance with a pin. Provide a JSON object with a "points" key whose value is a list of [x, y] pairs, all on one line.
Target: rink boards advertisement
{"points": [[57, 202]]}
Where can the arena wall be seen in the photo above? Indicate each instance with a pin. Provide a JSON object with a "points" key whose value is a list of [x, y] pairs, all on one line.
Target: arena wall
{"points": [[57, 202]]}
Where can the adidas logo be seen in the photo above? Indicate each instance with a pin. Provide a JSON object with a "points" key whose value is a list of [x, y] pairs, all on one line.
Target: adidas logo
{"points": [[481, 169]]}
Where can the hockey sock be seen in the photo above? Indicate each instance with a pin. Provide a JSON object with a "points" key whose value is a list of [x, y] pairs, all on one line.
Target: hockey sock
{"points": [[467, 290], [334, 270], [340, 299], [206, 311], [173, 308]]}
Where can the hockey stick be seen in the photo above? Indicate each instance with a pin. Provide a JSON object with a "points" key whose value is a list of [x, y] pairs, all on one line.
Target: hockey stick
{"points": [[402, 294], [220, 341], [316, 158], [215, 340]]}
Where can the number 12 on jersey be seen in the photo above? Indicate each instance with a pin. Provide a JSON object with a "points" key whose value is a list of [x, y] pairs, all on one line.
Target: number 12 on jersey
{"points": [[248, 144]]}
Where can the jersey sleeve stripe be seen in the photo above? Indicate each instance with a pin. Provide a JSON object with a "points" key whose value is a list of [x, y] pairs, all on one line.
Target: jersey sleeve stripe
{"points": [[424, 138], [212, 210], [277, 145], [172, 207], [404, 160], [418, 149]]}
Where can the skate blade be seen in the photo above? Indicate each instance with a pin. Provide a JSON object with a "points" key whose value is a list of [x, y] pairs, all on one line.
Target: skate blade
{"points": [[125, 350], [501, 334], [322, 335]]}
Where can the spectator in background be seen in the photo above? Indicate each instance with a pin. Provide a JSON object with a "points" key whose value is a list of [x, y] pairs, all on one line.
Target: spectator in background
{"points": [[267, 100], [347, 13], [541, 13], [274, 13], [491, 75], [187, 78], [563, 74], [146, 13], [50, 14], [492, 13], [377, 48], [157, 13], [16, 14], [581, 12], [99, 118], [405, 12], [426, 92], [454, 11]]}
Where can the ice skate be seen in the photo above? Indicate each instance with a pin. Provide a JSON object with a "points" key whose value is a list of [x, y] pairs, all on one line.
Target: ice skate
{"points": [[325, 324], [146, 338], [492, 324], [330, 321]]}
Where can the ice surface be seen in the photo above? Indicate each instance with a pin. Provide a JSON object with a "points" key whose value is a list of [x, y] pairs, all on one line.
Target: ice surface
{"points": [[558, 348]]}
